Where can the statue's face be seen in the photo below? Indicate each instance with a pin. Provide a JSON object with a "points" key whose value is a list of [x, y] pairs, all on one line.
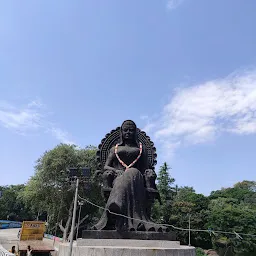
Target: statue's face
{"points": [[129, 131]]}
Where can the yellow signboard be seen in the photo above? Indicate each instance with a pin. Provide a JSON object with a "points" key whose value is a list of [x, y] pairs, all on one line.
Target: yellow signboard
{"points": [[32, 230]]}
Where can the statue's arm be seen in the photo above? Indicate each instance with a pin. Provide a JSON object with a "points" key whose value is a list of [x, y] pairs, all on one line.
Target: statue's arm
{"points": [[109, 161]]}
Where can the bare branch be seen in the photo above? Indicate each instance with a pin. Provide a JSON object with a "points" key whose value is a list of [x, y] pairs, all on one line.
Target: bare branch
{"points": [[61, 227], [81, 222], [70, 211]]}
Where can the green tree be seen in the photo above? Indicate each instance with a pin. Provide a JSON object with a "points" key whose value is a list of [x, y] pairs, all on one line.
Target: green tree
{"points": [[244, 191], [161, 213], [12, 204], [49, 190], [200, 252], [178, 205], [227, 214], [165, 182], [190, 206]]}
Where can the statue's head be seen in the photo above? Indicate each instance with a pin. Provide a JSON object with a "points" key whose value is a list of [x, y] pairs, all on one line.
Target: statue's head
{"points": [[128, 131]]}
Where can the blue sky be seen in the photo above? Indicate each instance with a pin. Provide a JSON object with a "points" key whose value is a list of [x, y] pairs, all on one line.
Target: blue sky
{"points": [[185, 71]]}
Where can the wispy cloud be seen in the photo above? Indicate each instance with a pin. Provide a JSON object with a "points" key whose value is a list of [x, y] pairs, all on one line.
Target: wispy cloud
{"points": [[173, 4], [61, 135], [199, 113], [144, 117], [29, 119], [20, 119]]}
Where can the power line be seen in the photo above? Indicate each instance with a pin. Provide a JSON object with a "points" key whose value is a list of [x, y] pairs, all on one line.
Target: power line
{"points": [[238, 235]]}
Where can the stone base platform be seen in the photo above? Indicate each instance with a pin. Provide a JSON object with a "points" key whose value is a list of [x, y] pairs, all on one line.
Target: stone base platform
{"points": [[118, 247], [137, 235]]}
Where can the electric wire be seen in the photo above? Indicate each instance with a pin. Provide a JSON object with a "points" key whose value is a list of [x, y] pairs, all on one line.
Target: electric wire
{"points": [[238, 235]]}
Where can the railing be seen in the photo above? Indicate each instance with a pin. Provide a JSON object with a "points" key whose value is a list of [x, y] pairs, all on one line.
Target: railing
{"points": [[4, 252], [4, 224]]}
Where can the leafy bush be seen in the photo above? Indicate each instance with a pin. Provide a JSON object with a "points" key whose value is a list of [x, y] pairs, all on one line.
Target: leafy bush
{"points": [[200, 252]]}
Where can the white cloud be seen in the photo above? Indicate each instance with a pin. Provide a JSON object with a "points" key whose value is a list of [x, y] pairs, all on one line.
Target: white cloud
{"points": [[61, 135], [199, 113], [149, 127], [144, 117], [29, 119], [35, 103], [173, 4], [19, 119]]}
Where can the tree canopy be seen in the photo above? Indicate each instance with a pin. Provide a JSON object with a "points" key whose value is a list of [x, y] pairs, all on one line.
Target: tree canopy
{"points": [[229, 210], [50, 191], [12, 205]]}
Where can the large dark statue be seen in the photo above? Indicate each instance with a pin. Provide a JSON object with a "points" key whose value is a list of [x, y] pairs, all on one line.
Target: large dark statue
{"points": [[127, 158]]}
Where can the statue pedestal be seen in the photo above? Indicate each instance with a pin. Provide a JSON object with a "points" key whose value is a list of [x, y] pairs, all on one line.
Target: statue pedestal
{"points": [[135, 235], [129, 247]]}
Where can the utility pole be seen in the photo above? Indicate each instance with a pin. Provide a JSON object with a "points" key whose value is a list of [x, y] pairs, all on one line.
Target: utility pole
{"points": [[189, 244], [74, 176], [79, 215], [73, 219]]}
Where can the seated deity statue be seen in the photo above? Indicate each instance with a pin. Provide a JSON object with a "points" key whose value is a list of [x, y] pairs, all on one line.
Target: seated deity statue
{"points": [[127, 159]]}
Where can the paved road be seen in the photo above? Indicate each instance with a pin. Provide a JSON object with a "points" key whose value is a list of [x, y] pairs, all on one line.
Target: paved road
{"points": [[8, 238], [9, 234]]}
